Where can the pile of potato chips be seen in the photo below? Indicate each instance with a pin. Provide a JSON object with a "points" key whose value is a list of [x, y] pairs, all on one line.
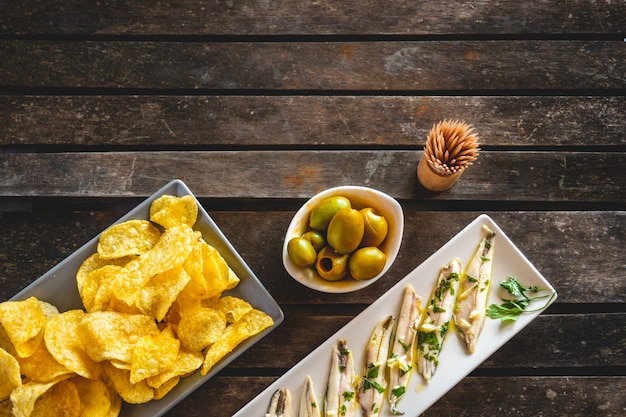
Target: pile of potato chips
{"points": [[153, 313]]}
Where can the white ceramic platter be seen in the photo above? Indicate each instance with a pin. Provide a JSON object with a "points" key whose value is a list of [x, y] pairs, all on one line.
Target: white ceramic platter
{"points": [[454, 362], [58, 287]]}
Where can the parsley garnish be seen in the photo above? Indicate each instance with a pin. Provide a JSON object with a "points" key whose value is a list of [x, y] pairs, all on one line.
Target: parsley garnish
{"points": [[511, 309]]}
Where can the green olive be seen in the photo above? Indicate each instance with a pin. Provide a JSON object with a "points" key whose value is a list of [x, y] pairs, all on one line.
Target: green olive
{"points": [[324, 211], [367, 262], [330, 265], [345, 230], [316, 238], [376, 227], [301, 252]]}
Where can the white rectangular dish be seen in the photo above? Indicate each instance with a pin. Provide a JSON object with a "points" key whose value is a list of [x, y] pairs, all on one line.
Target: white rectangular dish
{"points": [[58, 287], [454, 362]]}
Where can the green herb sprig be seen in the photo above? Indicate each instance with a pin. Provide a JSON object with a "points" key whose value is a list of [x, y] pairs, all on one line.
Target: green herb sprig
{"points": [[511, 309]]}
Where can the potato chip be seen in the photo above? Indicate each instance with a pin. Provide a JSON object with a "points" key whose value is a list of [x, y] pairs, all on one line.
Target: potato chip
{"points": [[110, 335], [48, 309], [94, 262], [6, 408], [132, 237], [169, 252], [88, 284], [215, 270], [186, 363], [61, 400], [95, 397], [10, 377], [119, 379], [153, 354], [157, 296], [234, 308], [5, 342], [116, 403], [24, 396], [23, 323], [162, 390], [233, 279], [250, 324], [200, 326], [69, 350], [41, 366], [170, 211]]}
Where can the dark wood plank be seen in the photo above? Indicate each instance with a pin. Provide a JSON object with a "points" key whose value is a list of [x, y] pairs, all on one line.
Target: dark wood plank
{"points": [[320, 18], [353, 121], [557, 243], [377, 66], [496, 176], [502, 396]]}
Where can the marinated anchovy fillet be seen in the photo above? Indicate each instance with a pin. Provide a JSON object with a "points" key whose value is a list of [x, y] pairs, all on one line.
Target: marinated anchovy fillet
{"points": [[371, 389], [469, 312], [340, 394], [432, 332], [280, 405], [401, 359], [308, 400]]}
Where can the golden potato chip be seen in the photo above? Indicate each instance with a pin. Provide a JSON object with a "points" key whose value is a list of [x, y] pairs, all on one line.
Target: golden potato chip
{"points": [[96, 290], [88, 284], [41, 366], [95, 397], [110, 335], [153, 354], [185, 364], [170, 211], [61, 400], [132, 237], [6, 408], [5, 342], [23, 323], [119, 379], [10, 377], [215, 270], [234, 308], [68, 349], [162, 390], [160, 292], [200, 326], [233, 279], [116, 403], [250, 324], [169, 252], [25, 396], [48, 309], [94, 262], [197, 286]]}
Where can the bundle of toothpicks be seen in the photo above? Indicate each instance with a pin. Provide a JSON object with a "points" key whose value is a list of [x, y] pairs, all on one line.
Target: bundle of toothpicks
{"points": [[451, 147]]}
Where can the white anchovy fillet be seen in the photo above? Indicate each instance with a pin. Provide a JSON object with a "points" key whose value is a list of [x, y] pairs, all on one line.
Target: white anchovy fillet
{"points": [[308, 400], [433, 330], [340, 394], [469, 313], [401, 360], [371, 389], [280, 405]]}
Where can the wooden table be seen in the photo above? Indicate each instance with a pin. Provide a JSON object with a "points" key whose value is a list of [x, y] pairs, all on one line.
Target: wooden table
{"points": [[258, 105]]}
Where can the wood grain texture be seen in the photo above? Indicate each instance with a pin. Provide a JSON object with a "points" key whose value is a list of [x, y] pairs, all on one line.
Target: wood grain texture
{"points": [[33, 242], [318, 66], [214, 122], [574, 396], [292, 17], [510, 176]]}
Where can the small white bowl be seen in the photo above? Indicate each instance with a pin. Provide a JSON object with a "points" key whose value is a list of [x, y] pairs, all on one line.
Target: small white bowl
{"points": [[360, 197]]}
